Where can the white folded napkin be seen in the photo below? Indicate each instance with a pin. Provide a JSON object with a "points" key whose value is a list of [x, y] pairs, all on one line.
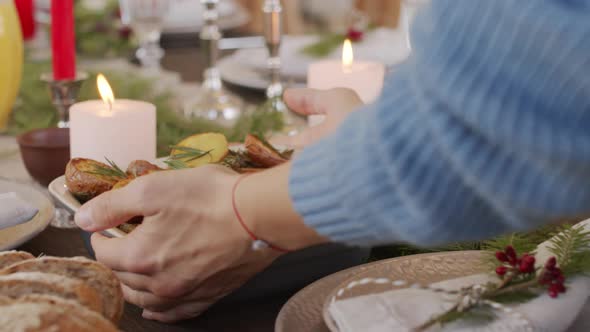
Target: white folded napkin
{"points": [[384, 45], [405, 309], [15, 211]]}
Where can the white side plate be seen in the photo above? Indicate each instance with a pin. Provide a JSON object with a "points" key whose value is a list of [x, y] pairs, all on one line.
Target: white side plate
{"points": [[13, 237]]}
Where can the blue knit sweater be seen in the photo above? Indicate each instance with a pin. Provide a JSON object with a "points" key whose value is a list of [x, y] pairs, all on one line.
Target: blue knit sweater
{"points": [[485, 129]]}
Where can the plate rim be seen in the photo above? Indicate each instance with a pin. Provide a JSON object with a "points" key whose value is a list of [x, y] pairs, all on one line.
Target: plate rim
{"points": [[41, 219]]}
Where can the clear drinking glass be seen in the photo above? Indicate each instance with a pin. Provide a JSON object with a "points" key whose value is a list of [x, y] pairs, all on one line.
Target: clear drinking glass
{"points": [[145, 18], [213, 102]]}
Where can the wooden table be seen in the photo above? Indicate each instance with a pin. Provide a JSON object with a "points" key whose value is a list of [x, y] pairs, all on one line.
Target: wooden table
{"points": [[256, 316]]}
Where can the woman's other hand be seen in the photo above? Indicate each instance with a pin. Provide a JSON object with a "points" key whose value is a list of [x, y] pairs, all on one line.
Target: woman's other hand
{"points": [[335, 104]]}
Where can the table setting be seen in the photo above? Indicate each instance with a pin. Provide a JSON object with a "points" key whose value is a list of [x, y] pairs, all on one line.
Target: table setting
{"points": [[91, 100]]}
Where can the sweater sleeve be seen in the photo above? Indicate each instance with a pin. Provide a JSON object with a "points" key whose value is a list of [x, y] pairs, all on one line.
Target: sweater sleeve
{"points": [[485, 129]]}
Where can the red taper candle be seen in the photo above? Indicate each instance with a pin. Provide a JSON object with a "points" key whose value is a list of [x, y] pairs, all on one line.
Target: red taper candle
{"points": [[63, 45], [26, 14]]}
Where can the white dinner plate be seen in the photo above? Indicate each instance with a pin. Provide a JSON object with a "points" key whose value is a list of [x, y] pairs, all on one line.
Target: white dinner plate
{"points": [[186, 16], [13, 237], [236, 73]]}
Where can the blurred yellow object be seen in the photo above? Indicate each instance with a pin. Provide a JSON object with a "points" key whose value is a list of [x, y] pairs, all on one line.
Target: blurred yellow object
{"points": [[11, 59]]}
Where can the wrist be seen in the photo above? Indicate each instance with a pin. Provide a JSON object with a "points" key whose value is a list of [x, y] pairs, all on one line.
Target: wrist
{"points": [[264, 204]]}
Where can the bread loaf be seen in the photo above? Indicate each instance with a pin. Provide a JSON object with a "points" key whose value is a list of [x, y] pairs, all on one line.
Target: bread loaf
{"points": [[26, 283], [90, 316], [10, 257], [4, 300], [99, 277], [23, 316]]}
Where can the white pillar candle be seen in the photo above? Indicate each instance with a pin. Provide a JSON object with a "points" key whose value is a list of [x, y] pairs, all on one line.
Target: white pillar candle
{"points": [[364, 77], [120, 130]]}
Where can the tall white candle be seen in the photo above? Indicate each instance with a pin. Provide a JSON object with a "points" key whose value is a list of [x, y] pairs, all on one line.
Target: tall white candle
{"points": [[364, 77], [120, 130]]}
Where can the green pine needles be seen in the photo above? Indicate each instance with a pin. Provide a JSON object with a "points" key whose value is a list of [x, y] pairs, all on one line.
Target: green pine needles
{"points": [[571, 247]]}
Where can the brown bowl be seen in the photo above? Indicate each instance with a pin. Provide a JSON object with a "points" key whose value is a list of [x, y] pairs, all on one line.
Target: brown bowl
{"points": [[45, 152]]}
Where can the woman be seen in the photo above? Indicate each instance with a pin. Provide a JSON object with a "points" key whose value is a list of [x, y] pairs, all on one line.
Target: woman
{"points": [[484, 130]]}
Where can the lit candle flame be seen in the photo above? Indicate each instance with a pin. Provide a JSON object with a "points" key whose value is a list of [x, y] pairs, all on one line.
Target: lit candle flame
{"points": [[347, 56], [105, 91]]}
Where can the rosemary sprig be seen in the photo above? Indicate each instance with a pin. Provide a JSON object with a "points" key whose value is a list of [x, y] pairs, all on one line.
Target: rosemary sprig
{"points": [[112, 171], [188, 154], [180, 160], [176, 164]]}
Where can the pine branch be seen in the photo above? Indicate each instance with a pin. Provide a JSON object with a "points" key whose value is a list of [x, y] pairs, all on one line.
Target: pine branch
{"points": [[570, 246], [515, 296]]}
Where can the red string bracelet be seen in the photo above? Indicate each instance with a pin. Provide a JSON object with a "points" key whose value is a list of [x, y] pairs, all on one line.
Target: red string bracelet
{"points": [[257, 243]]}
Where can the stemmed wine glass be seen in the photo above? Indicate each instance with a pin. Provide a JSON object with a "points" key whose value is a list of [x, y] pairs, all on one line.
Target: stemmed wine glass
{"points": [[213, 102], [145, 18]]}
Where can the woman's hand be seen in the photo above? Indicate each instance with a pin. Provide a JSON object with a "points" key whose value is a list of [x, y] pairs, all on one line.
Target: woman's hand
{"points": [[335, 104], [190, 250]]}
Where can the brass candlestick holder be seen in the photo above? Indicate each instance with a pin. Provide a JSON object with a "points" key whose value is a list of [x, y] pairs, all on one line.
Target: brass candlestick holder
{"points": [[64, 94]]}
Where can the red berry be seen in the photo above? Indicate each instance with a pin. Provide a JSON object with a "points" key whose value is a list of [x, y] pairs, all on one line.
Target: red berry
{"points": [[501, 270], [551, 262], [552, 293], [556, 272], [527, 264], [526, 268], [560, 279], [125, 32], [501, 256], [528, 258], [560, 287], [510, 252], [354, 35]]}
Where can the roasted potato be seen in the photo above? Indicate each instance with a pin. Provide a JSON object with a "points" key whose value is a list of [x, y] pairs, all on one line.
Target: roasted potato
{"points": [[86, 178], [122, 183], [201, 149], [139, 168], [262, 153]]}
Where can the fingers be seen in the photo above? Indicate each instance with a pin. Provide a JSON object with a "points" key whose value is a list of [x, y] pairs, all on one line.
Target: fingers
{"points": [[148, 300], [312, 101], [303, 101], [183, 311], [111, 208], [139, 282], [123, 254]]}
